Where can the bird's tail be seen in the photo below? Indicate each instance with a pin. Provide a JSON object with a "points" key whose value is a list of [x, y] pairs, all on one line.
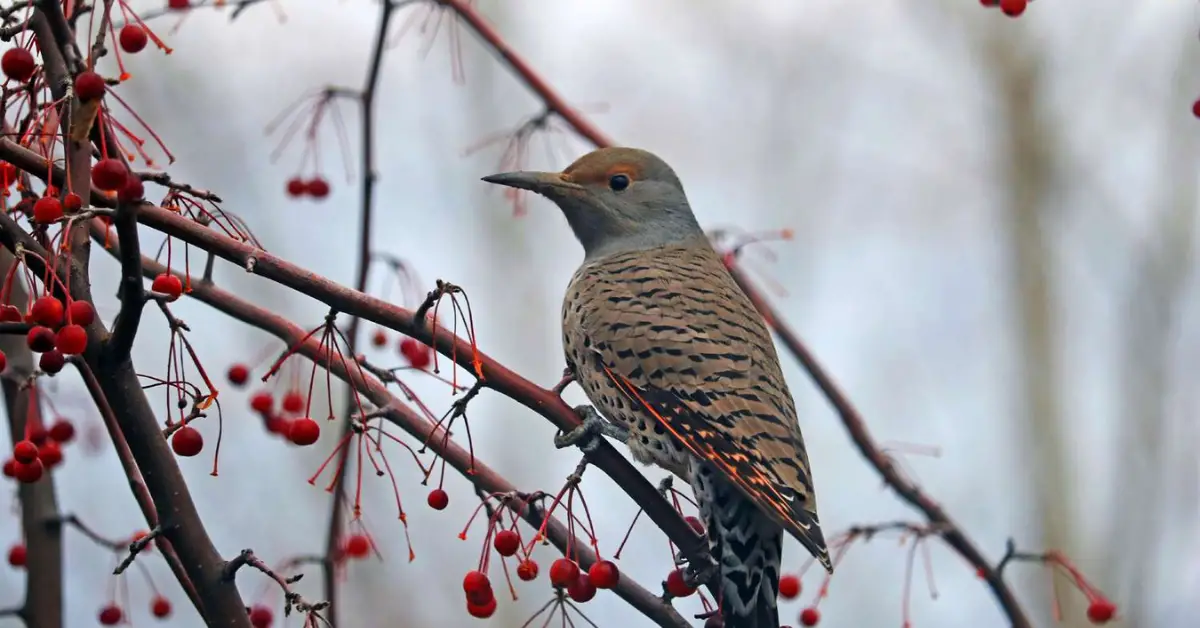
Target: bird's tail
{"points": [[747, 546]]}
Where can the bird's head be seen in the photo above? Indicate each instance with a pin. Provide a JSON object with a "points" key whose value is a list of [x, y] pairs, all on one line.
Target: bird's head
{"points": [[616, 199]]}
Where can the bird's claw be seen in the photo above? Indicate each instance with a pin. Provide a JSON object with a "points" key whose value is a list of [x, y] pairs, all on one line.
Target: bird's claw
{"points": [[588, 434], [694, 576]]}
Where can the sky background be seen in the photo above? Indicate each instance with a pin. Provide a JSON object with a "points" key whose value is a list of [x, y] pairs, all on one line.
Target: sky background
{"points": [[994, 225]]}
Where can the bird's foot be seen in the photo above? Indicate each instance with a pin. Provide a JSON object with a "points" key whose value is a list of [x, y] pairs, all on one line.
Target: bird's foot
{"points": [[696, 575], [588, 435]]}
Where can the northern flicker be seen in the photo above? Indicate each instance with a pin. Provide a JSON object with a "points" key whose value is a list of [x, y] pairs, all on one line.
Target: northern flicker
{"points": [[682, 367]]}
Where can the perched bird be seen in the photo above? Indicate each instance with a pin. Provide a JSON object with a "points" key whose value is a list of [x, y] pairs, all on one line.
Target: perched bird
{"points": [[673, 354]]}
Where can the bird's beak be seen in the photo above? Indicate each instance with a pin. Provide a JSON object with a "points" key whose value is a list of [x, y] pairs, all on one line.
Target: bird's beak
{"points": [[544, 183]]}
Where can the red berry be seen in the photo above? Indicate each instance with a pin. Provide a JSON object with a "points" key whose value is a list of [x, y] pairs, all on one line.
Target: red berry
{"points": [[358, 546], [989, 3], [296, 187], [438, 499], [1101, 611], [1196, 108], [47, 311], [52, 362], [8, 174], [167, 284], [71, 340], [179, 5], [187, 441], [132, 191], [379, 338], [47, 210], [31, 472], [10, 468], [317, 187], [72, 203], [261, 617], [81, 313], [40, 339], [25, 451], [1013, 8], [239, 374], [475, 583], [506, 542], [110, 615], [139, 535], [582, 589], [3, 361], [17, 555], [109, 174], [89, 85], [278, 425], [527, 570], [304, 431], [36, 434], [62, 431], [604, 574], [293, 401], [810, 616], [695, 523], [789, 587], [10, 314], [262, 402], [50, 453], [17, 64], [160, 607], [417, 354], [133, 38], [676, 585], [482, 611], [563, 572]]}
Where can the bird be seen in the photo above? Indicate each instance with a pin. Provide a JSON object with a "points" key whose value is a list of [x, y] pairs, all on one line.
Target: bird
{"points": [[680, 367]]}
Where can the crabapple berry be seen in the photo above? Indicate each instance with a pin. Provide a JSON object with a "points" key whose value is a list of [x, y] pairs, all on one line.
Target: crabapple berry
{"points": [[304, 431], [47, 210], [417, 354], [262, 402], [50, 453], [89, 85], [46, 311], [133, 38], [477, 587], [317, 187], [17, 555], [358, 546], [1196, 108], [81, 313], [179, 5], [677, 586], [482, 611], [25, 451], [1013, 8], [581, 589], [160, 607], [110, 615], [695, 523], [438, 499], [506, 542], [109, 174], [293, 401], [261, 617], [72, 203], [296, 187], [604, 574], [10, 314], [62, 431], [789, 587], [1101, 611], [167, 284], [71, 340], [563, 572], [37, 434], [52, 362], [132, 191], [187, 441], [527, 570], [810, 616], [17, 64], [239, 374], [3, 361], [379, 338], [30, 472], [278, 425], [40, 339]]}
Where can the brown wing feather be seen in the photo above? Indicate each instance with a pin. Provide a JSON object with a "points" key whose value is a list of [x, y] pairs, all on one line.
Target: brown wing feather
{"points": [[680, 339]]}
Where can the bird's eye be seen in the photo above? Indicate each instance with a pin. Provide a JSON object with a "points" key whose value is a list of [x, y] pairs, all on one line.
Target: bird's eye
{"points": [[618, 182]]}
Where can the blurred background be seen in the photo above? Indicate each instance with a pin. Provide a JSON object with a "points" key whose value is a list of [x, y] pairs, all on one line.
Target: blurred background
{"points": [[993, 254]]}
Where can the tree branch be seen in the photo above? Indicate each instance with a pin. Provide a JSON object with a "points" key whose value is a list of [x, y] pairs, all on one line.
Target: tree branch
{"points": [[132, 288]]}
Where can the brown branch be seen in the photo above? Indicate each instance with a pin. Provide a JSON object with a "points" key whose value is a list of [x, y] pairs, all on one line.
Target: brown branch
{"points": [[43, 605], [400, 414], [954, 536]]}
